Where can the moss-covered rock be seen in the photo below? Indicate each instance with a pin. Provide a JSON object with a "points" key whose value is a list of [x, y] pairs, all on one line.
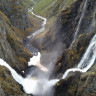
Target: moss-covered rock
{"points": [[14, 53], [8, 86], [67, 87], [72, 55]]}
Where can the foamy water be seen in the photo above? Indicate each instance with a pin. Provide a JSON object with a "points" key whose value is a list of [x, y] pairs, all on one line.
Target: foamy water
{"points": [[35, 60], [30, 85], [33, 85], [39, 86], [87, 60]]}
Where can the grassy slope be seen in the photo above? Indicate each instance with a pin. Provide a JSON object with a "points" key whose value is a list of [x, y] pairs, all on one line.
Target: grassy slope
{"points": [[29, 3], [46, 7], [39, 7]]}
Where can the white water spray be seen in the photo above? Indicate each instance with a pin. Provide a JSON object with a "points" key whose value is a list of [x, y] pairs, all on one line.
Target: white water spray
{"points": [[35, 60], [39, 86], [87, 60], [32, 85]]}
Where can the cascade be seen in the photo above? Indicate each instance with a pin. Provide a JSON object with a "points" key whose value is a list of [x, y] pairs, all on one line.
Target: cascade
{"points": [[87, 60], [39, 86], [80, 20], [32, 85]]}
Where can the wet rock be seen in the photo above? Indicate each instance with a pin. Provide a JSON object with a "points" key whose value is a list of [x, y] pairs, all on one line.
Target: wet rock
{"points": [[72, 56], [87, 84]]}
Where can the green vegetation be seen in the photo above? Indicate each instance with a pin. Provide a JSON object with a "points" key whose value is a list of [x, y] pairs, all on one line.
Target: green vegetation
{"points": [[28, 3], [50, 8], [39, 7]]}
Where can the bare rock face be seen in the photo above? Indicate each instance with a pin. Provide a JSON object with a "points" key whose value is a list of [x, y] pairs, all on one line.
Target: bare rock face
{"points": [[69, 19], [65, 28]]}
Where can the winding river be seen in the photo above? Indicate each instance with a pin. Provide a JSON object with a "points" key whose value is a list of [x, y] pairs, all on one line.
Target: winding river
{"points": [[41, 84], [35, 60]]}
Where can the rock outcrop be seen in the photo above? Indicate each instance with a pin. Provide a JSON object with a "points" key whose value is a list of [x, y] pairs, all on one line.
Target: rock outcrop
{"points": [[59, 36], [13, 23], [85, 85]]}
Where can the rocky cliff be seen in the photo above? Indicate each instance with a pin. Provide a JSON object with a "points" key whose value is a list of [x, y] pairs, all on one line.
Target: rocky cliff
{"points": [[80, 84], [13, 23], [67, 28], [63, 22], [63, 18]]}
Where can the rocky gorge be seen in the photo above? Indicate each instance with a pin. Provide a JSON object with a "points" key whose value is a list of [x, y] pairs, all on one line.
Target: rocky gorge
{"points": [[13, 22], [62, 23]]}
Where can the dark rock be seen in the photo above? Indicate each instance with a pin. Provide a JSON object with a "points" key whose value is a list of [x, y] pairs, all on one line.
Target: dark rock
{"points": [[11, 45], [67, 87], [87, 83]]}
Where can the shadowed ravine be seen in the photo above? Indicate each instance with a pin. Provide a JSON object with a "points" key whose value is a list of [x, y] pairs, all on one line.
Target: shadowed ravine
{"points": [[38, 82]]}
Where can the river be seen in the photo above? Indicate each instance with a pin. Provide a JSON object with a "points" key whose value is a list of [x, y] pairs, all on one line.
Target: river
{"points": [[40, 84]]}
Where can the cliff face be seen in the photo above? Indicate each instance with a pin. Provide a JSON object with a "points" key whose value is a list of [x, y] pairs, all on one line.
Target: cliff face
{"points": [[69, 20], [62, 30], [63, 21], [67, 24], [13, 23], [80, 84]]}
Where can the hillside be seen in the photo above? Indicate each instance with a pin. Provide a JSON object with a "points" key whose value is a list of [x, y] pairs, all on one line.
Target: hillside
{"points": [[51, 7], [13, 23], [71, 25], [29, 3]]}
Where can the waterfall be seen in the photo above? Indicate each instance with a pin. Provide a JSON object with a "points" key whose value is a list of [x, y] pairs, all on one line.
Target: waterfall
{"points": [[31, 85], [35, 86], [87, 60], [40, 85], [80, 20]]}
